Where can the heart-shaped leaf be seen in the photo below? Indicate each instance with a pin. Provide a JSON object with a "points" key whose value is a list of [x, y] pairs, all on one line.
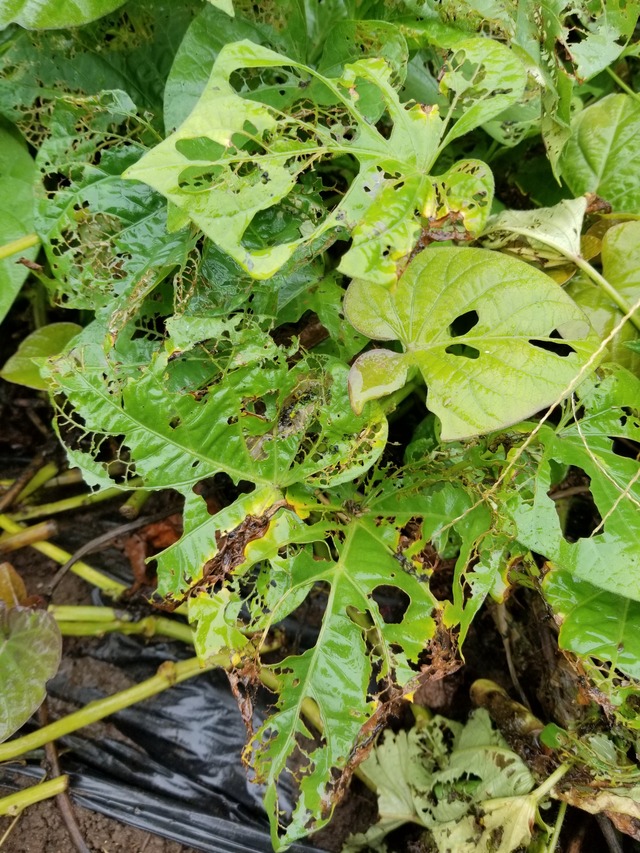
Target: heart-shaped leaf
{"points": [[30, 647], [494, 339]]}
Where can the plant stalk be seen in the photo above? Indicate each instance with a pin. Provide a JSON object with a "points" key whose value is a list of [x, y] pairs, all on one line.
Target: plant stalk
{"points": [[83, 570], [15, 803], [28, 536], [19, 245], [40, 478], [66, 504], [168, 674], [149, 626]]}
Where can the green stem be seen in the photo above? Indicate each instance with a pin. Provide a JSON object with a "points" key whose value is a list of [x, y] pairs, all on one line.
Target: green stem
{"points": [[134, 503], [46, 473], [15, 803], [553, 841], [548, 784], [59, 555], [602, 282], [107, 621], [19, 245], [620, 82], [586, 268], [168, 674], [67, 504]]}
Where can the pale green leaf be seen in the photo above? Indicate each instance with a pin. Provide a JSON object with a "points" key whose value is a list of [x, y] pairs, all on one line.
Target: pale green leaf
{"points": [[512, 820], [355, 645], [224, 5], [54, 14], [214, 617], [30, 648], [500, 367], [44, 342], [548, 236], [603, 153], [482, 79], [17, 175]]}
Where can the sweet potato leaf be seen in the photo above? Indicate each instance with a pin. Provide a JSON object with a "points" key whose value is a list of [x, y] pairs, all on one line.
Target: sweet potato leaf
{"points": [[603, 152], [30, 648], [440, 775], [52, 15], [594, 623], [476, 324], [17, 176], [609, 557]]}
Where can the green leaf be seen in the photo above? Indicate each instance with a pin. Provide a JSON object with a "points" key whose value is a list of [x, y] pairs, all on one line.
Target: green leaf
{"points": [[482, 79], [179, 435], [594, 623], [609, 558], [214, 629], [211, 30], [105, 238], [30, 649], [499, 368], [53, 15], [224, 5], [603, 152], [17, 175], [131, 49], [44, 342], [234, 157], [354, 643]]}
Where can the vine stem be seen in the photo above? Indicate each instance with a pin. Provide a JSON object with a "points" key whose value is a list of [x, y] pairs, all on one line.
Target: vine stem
{"points": [[15, 803], [620, 82], [553, 841], [169, 673], [96, 621], [19, 245], [83, 570], [66, 504]]}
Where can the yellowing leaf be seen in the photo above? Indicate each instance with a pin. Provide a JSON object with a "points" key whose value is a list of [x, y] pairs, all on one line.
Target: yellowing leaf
{"points": [[494, 339]]}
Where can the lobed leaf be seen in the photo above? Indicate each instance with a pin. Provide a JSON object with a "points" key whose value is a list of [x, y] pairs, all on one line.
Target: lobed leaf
{"points": [[498, 366], [609, 558]]}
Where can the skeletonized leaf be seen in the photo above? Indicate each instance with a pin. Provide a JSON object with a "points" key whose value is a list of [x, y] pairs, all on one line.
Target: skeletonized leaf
{"points": [[494, 339], [235, 157]]}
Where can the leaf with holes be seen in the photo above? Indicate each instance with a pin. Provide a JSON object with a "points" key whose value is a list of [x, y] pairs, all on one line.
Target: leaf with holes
{"points": [[494, 339], [603, 152], [52, 15], [267, 423], [482, 78], [106, 240], [355, 645], [608, 558], [234, 157], [30, 648]]}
